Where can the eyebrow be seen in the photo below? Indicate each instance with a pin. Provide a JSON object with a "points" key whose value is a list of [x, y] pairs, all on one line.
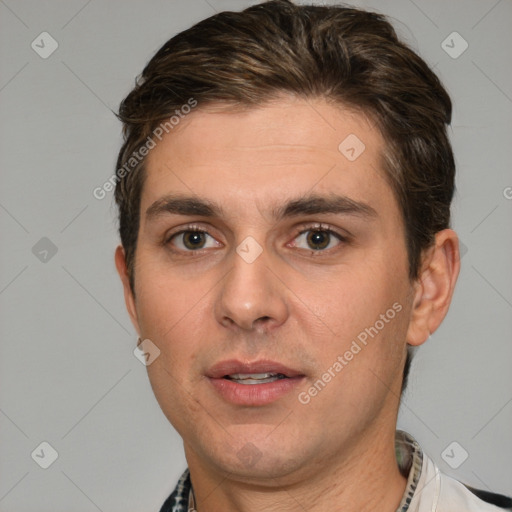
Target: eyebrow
{"points": [[182, 205], [333, 203], [308, 205]]}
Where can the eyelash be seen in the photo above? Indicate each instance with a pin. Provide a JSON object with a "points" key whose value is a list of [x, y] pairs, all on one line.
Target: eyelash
{"points": [[318, 227], [187, 229], [322, 228]]}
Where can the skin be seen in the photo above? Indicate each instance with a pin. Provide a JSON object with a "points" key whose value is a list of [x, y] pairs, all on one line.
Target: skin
{"points": [[298, 305]]}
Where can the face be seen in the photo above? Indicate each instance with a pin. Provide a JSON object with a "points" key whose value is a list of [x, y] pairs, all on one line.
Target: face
{"points": [[271, 273]]}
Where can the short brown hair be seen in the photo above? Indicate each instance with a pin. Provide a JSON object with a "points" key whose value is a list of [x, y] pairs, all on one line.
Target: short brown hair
{"points": [[345, 55]]}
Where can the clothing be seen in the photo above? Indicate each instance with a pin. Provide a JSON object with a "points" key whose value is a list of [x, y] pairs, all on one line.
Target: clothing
{"points": [[427, 490]]}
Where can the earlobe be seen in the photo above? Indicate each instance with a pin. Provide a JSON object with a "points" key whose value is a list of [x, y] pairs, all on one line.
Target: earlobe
{"points": [[434, 287], [120, 260]]}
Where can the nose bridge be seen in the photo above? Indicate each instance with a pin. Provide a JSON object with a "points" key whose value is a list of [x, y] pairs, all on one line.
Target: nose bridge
{"points": [[250, 291]]}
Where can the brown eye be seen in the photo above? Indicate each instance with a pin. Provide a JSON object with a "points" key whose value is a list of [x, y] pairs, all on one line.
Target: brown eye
{"points": [[318, 240], [193, 240]]}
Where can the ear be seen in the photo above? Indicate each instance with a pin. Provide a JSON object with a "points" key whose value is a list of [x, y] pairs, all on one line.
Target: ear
{"points": [[434, 287], [122, 269]]}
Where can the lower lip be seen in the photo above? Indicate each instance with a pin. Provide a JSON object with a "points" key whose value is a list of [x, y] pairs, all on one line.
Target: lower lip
{"points": [[254, 394]]}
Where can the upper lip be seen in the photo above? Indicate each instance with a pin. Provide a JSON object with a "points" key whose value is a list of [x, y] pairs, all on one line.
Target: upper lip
{"points": [[233, 366]]}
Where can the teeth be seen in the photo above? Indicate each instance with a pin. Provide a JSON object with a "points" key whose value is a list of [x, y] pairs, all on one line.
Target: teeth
{"points": [[255, 378], [239, 376]]}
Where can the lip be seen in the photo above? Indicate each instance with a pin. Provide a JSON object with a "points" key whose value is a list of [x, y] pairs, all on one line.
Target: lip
{"points": [[232, 366], [252, 394]]}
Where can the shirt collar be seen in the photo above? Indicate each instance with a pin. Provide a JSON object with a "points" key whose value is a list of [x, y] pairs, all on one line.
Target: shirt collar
{"points": [[410, 461]]}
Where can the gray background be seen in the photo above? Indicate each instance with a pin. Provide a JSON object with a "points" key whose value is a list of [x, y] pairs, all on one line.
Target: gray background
{"points": [[68, 375]]}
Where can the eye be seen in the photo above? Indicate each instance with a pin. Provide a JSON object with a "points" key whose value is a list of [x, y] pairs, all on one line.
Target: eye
{"points": [[317, 239], [193, 240]]}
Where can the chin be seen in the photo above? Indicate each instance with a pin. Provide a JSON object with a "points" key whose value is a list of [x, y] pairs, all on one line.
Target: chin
{"points": [[255, 458], [258, 466]]}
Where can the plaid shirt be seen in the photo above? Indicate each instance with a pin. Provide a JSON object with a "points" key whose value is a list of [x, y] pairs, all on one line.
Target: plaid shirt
{"points": [[427, 490]]}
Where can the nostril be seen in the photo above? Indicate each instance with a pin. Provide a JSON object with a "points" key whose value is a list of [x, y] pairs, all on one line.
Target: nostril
{"points": [[263, 323], [263, 319]]}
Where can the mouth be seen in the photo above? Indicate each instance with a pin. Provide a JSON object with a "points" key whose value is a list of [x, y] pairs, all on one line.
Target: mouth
{"points": [[253, 384], [255, 378]]}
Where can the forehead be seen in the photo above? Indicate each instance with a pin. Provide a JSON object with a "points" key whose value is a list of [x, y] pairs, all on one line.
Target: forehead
{"points": [[291, 146]]}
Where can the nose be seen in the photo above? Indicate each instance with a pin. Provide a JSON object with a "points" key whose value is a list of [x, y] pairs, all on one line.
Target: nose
{"points": [[252, 297]]}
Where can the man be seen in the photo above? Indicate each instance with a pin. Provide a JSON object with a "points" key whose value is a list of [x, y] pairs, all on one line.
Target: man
{"points": [[284, 193]]}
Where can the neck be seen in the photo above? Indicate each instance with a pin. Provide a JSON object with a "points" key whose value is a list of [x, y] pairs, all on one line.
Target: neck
{"points": [[363, 478]]}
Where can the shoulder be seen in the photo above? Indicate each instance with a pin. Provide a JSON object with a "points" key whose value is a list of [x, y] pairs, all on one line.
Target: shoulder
{"points": [[440, 492], [499, 500], [453, 495]]}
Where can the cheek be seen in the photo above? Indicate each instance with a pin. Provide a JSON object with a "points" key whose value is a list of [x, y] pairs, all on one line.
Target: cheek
{"points": [[349, 301], [177, 323], [167, 304], [365, 310], [176, 316]]}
